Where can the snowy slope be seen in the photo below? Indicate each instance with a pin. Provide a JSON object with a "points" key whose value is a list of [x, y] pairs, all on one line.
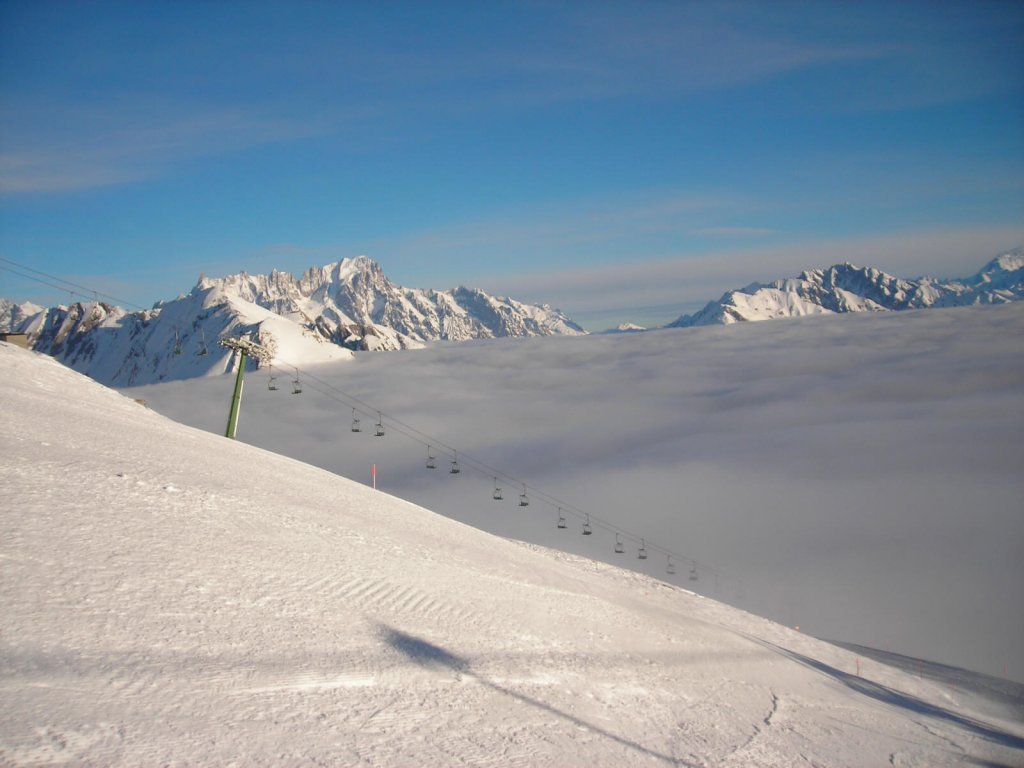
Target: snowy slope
{"points": [[856, 474], [847, 288], [14, 315], [173, 597], [174, 340]]}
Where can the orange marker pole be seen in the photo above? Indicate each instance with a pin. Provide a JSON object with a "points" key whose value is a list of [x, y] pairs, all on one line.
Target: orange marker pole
{"points": [[375, 477]]}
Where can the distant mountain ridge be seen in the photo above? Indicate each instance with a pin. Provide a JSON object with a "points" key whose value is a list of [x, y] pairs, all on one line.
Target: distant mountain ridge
{"points": [[848, 288], [324, 314], [354, 304]]}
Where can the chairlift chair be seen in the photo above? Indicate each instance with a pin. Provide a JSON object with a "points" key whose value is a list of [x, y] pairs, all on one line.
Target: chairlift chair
{"points": [[272, 381], [693, 572], [670, 569], [642, 552], [203, 349], [524, 500], [497, 491], [619, 549], [177, 342], [380, 426], [586, 527], [431, 461], [355, 422], [561, 519], [455, 464], [296, 385]]}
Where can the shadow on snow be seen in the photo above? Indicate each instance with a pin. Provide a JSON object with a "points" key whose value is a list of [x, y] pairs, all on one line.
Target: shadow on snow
{"points": [[427, 654]]}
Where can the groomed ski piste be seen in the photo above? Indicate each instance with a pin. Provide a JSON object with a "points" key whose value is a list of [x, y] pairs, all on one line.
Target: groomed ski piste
{"points": [[171, 597]]}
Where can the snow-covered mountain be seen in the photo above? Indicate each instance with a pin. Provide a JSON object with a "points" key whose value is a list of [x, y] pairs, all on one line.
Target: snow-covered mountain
{"points": [[174, 340], [847, 288], [354, 304], [171, 596], [322, 315], [626, 328]]}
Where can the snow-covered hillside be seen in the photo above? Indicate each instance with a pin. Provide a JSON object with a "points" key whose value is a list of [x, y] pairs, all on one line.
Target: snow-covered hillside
{"points": [[174, 340], [857, 475], [323, 315], [174, 597], [846, 288]]}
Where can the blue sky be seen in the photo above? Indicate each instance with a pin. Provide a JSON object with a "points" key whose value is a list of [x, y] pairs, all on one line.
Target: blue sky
{"points": [[601, 157]]}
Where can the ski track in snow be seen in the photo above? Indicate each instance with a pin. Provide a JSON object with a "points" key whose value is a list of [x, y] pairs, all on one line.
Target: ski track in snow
{"points": [[173, 598]]}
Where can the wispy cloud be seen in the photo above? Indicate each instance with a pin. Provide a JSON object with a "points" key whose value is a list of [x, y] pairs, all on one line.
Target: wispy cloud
{"points": [[398, 82], [89, 146], [705, 275], [732, 232]]}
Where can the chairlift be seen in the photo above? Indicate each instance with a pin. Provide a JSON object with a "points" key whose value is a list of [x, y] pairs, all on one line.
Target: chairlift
{"points": [[455, 464], [619, 549], [670, 569], [693, 572], [296, 385], [380, 426], [524, 500], [177, 342], [272, 381], [497, 491], [431, 461], [355, 422], [642, 552], [586, 526], [561, 519], [203, 349]]}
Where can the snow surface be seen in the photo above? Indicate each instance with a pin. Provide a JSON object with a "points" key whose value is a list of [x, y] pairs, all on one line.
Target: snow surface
{"points": [[172, 597], [857, 475]]}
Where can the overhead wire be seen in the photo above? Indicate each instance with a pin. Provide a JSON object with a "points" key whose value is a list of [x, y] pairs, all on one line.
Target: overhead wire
{"points": [[70, 287]]}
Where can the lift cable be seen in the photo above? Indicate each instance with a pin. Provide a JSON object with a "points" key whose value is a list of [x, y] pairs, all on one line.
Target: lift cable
{"points": [[70, 287], [482, 468]]}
